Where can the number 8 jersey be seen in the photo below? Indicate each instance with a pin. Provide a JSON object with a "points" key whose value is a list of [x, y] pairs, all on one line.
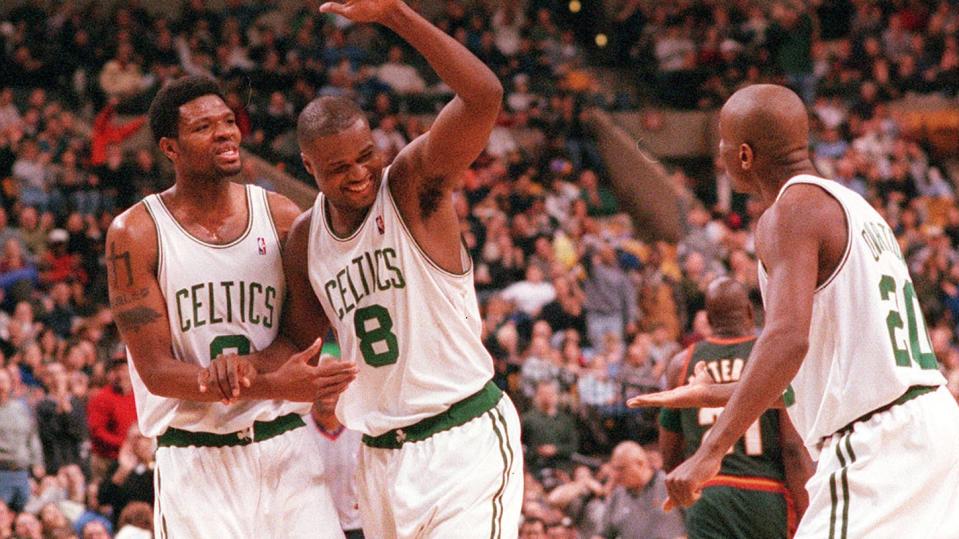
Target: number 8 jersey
{"points": [[867, 339], [220, 299], [412, 328]]}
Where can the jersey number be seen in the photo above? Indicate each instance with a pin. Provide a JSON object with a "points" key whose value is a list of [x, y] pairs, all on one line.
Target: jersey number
{"points": [[752, 440], [915, 324], [373, 326], [230, 344]]}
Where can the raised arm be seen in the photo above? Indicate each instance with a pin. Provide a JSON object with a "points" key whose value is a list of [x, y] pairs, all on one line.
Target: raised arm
{"points": [[789, 237], [462, 129]]}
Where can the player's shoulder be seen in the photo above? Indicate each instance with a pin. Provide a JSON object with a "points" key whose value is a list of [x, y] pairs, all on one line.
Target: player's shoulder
{"points": [[283, 211], [135, 223], [804, 210]]}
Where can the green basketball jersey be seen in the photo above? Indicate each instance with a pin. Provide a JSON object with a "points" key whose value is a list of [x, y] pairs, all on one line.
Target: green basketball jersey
{"points": [[758, 453]]}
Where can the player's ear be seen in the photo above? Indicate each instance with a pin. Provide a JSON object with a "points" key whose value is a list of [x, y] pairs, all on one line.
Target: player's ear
{"points": [[169, 148], [745, 156], [307, 164]]}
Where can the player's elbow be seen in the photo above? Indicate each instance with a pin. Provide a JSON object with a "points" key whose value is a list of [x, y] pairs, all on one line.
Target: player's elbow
{"points": [[487, 93]]}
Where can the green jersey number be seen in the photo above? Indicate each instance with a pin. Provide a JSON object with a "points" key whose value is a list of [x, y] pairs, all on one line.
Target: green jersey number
{"points": [[235, 344], [373, 326], [914, 324]]}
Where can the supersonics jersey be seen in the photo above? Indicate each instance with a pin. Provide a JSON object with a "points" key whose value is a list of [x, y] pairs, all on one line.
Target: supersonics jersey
{"points": [[867, 339], [220, 299], [758, 453], [412, 328]]}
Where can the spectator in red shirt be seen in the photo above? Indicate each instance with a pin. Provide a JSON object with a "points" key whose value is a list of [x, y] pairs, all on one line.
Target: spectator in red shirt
{"points": [[106, 133], [110, 414]]}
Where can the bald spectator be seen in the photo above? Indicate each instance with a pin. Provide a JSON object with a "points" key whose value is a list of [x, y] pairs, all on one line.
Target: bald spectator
{"points": [[20, 449], [634, 508]]}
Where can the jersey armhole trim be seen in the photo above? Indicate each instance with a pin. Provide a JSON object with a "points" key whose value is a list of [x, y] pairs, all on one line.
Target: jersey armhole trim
{"points": [[464, 252], [846, 216], [269, 218], [156, 226]]}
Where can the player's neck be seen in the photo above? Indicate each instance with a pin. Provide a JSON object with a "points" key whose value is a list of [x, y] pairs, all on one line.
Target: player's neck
{"points": [[776, 177], [345, 221], [205, 195]]}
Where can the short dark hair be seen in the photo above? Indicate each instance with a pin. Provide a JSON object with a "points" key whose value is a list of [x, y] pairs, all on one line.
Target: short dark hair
{"points": [[165, 109], [326, 116]]}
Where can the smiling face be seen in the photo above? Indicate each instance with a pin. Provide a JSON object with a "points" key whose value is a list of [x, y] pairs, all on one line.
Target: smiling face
{"points": [[346, 166], [208, 140]]}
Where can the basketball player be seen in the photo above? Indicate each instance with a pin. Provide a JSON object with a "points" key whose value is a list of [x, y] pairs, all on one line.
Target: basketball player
{"points": [[195, 272], [380, 257], [767, 467], [845, 344]]}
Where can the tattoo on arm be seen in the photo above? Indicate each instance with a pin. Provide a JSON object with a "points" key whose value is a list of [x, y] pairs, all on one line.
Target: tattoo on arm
{"points": [[125, 299], [125, 258], [135, 318]]}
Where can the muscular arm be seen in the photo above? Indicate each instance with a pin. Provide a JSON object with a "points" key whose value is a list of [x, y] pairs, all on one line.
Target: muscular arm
{"points": [[303, 317], [462, 128], [141, 315], [799, 467], [790, 239]]}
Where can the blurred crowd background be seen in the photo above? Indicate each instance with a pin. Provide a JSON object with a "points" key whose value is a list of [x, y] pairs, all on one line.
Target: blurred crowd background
{"points": [[579, 312]]}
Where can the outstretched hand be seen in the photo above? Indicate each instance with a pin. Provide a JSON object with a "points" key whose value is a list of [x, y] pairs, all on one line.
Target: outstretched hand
{"points": [[685, 396], [299, 381], [361, 10]]}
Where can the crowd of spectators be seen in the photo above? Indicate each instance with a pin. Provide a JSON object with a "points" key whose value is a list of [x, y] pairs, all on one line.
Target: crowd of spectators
{"points": [[700, 52], [578, 313]]}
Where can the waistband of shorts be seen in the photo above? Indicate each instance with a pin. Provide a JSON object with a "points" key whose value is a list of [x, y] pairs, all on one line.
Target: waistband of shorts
{"points": [[260, 431], [911, 393], [463, 411], [765, 484]]}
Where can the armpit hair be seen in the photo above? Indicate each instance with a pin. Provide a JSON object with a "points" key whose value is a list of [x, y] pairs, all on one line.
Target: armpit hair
{"points": [[430, 198]]}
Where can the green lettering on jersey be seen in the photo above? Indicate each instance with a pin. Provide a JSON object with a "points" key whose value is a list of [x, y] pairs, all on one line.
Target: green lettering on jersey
{"points": [[373, 271], [225, 301]]}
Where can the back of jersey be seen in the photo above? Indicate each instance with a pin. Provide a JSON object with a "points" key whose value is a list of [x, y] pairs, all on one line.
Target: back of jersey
{"points": [[758, 453], [867, 338]]}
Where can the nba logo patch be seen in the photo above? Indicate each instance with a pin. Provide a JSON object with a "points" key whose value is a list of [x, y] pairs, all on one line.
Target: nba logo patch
{"points": [[261, 245], [379, 224]]}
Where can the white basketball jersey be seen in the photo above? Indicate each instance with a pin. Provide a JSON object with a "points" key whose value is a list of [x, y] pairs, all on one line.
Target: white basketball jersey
{"points": [[412, 328], [220, 299], [867, 338]]}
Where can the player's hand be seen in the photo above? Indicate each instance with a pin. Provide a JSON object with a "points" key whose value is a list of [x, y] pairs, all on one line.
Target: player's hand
{"points": [[229, 375], [361, 10], [685, 483], [690, 395], [299, 381]]}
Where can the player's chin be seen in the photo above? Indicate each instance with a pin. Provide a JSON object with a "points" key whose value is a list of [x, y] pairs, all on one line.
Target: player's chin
{"points": [[230, 169]]}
